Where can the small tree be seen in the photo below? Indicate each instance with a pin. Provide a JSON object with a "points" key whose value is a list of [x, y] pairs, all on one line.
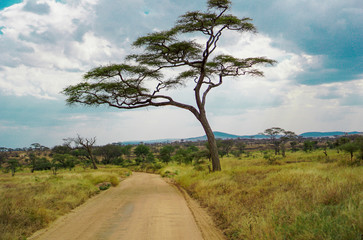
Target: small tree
{"points": [[274, 134], [293, 145], [165, 153], [87, 145], [141, 151], [3, 157], [126, 150], [55, 165], [287, 136], [36, 146], [241, 146], [184, 155], [309, 145], [350, 147], [141, 83], [33, 163], [279, 137], [109, 152], [40, 164], [224, 146], [64, 161], [200, 155], [12, 165], [150, 158], [62, 149]]}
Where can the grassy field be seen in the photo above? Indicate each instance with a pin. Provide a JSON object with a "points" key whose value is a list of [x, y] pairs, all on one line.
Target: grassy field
{"points": [[303, 196], [30, 201], [257, 196]]}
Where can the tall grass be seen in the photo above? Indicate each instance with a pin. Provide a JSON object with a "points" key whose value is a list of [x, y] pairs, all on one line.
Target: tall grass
{"points": [[30, 201], [313, 198]]}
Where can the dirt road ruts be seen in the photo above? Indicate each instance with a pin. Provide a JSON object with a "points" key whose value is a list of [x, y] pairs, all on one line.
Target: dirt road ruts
{"points": [[143, 206]]}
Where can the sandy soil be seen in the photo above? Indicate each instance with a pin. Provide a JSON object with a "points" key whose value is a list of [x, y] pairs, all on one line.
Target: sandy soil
{"points": [[143, 206]]}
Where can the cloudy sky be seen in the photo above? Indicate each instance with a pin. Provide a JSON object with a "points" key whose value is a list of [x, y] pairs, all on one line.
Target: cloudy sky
{"points": [[46, 45]]}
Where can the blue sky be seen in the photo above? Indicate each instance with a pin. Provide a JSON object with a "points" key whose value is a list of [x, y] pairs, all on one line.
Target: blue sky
{"points": [[47, 45]]}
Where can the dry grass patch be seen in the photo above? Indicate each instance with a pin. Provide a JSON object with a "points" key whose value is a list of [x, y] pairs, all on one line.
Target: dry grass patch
{"points": [[30, 201], [253, 200]]}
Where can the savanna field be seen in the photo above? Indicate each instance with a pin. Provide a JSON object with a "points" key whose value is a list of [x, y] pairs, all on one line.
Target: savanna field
{"points": [[302, 196], [30, 201], [306, 195]]}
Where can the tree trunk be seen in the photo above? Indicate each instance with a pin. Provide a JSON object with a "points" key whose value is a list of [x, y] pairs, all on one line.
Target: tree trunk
{"points": [[283, 150], [94, 164], [91, 157], [93, 160], [216, 165]]}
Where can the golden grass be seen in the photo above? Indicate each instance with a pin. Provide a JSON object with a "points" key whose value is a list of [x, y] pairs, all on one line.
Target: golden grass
{"points": [[313, 198], [30, 201]]}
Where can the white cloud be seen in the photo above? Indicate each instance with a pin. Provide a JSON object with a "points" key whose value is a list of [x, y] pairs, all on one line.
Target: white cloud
{"points": [[37, 82], [44, 52]]}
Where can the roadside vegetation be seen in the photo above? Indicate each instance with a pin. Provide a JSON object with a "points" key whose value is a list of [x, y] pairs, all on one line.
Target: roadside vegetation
{"points": [[30, 201], [307, 198], [279, 187]]}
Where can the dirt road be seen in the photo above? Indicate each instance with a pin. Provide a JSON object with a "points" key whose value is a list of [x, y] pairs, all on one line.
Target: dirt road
{"points": [[143, 206]]}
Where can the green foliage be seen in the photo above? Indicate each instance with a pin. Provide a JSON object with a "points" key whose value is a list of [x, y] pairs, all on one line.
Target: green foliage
{"points": [[150, 158], [104, 186], [61, 149], [232, 66], [200, 155], [279, 137], [109, 153], [353, 147], [183, 155], [126, 150], [141, 152], [63, 161], [342, 140], [79, 152], [224, 146], [39, 164], [165, 153], [118, 161], [3, 157], [12, 165], [310, 145], [219, 4], [293, 145], [350, 147]]}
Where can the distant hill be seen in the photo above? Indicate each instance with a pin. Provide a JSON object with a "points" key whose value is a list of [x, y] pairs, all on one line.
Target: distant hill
{"points": [[148, 141], [222, 135], [327, 134]]}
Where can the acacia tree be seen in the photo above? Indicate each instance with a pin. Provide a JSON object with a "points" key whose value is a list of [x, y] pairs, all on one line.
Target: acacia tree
{"points": [[12, 165], [274, 134], [139, 82], [287, 136], [279, 137]]}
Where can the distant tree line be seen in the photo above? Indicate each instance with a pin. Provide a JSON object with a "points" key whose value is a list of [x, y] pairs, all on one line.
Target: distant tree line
{"points": [[83, 152]]}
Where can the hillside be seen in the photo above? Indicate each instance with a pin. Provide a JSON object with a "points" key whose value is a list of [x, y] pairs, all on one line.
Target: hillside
{"points": [[222, 135]]}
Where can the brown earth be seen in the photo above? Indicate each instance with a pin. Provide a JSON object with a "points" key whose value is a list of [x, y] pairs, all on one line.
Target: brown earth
{"points": [[143, 206]]}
